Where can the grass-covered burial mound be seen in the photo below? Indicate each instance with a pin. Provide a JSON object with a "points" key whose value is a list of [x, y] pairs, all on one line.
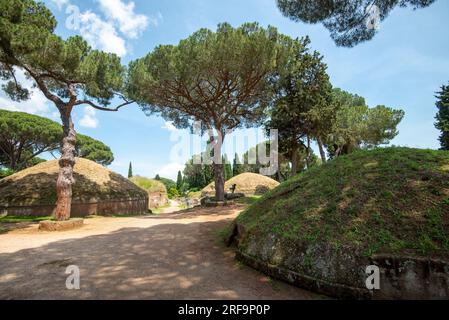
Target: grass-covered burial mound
{"points": [[249, 184], [386, 207], [157, 192], [97, 190]]}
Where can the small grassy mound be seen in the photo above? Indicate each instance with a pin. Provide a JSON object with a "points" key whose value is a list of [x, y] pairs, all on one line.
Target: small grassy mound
{"points": [[247, 183], [157, 192], [93, 182], [194, 194], [152, 186], [379, 201]]}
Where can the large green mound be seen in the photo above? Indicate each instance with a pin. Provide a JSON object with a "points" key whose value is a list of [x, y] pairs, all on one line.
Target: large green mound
{"points": [[380, 201]]}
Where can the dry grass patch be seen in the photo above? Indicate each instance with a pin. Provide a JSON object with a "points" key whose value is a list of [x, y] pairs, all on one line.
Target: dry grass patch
{"points": [[93, 182], [247, 183], [151, 185]]}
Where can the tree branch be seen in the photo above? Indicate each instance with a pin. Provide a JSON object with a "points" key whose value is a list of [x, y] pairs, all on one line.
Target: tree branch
{"points": [[50, 96], [13, 75], [95, 106]]}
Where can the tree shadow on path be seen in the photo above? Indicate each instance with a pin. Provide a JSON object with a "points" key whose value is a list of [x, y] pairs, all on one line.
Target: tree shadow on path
{"points": [[166, 261]]}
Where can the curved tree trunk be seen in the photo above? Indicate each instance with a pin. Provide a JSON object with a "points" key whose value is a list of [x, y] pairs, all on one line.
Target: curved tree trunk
{"points": [[320, 146], [66, 164], [218, 166], [308, 153], [13, 163], [219, 182], [295, 161]]}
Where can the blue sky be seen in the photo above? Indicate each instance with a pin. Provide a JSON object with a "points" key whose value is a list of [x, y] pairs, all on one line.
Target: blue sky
{"points": [[401, 67]]}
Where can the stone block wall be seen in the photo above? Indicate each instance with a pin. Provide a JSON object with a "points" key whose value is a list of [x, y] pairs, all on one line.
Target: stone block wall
{"points": [[102, 208]]}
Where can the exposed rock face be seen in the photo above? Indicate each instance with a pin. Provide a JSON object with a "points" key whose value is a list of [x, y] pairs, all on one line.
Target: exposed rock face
{"points": [[157, 199], [61, 225], [213, 203], [341, 272], [233, 196]]}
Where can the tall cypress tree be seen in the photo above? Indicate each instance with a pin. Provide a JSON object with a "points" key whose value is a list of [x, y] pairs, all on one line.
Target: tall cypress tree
{"points": [[236, 166], [130, 171], [227, 168], [442, 117], [202, 180], [179, 181]]}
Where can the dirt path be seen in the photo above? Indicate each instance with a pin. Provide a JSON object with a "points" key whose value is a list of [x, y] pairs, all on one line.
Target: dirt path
{"points": [[172, 256], [172, 207]]}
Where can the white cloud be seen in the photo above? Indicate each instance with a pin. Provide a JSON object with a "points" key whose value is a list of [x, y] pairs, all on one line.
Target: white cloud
{"points": [[169, 126], [130, 23], [60, 3], [101, 34], [156, 20], [170, 170], [107, 30], [89, 119], [37, 104], [55, 115]]}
